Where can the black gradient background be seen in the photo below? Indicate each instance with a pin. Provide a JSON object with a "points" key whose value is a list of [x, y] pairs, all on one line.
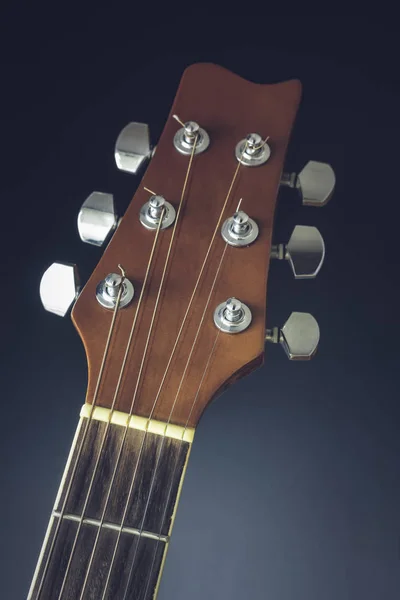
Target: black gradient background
{"points": [[293, 490]]}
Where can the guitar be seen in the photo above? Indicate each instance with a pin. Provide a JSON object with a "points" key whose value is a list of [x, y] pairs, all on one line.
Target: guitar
{"points": [[172, 315]]}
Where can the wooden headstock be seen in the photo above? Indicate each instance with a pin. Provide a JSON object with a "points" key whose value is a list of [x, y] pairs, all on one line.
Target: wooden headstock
{"points": [[178, 360]]}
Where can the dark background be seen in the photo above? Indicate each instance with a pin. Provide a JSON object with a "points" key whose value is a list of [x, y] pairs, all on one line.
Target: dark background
{"points": [[293, 487]]}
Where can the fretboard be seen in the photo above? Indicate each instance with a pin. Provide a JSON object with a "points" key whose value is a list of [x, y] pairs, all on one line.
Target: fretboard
{"points": [[109, 530]]}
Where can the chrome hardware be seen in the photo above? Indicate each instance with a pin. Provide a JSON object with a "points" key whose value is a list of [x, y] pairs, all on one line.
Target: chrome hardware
{"points": [[185, 137], [97, 218], [107, 291], [151, 211], [299, 336], [132, 148], [305, 252], [315, 182], [232, 316], [239, 230], [253, 151], [59, 287]]}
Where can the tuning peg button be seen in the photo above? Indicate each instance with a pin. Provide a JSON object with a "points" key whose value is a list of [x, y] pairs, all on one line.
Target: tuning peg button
{"points": [[315, 182], [59, 287], [305, 252], [97, 218], [299, 336], [133, 148]]}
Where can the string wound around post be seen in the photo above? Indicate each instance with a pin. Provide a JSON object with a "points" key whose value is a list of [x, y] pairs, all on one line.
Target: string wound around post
{"points": [[108, 289]]}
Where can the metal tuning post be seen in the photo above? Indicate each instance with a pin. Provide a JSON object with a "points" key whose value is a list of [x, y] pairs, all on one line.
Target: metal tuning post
{"points": [[232, 316], [154, 209], [252, 151], [305, 252], [97, 218], [59, 288], [239, 230], [315, 182], [133, 148], [186, 137], [108, 289], [299, 336]]}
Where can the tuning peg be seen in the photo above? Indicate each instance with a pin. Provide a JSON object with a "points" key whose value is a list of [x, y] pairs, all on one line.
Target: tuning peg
{"points": [[315, 182], [305, 251], [133, 148], [97, 218], [59, 287], [299, 336]]}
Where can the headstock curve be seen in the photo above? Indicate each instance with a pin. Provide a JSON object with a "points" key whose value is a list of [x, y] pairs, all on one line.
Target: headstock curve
{"points": [[228, 108]]}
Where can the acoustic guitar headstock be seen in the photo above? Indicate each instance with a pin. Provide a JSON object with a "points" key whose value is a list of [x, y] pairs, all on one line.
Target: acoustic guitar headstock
{"points": [[175, 310]]}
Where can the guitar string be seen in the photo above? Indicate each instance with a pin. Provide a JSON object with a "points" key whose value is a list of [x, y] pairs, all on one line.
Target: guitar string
{"points": [[211, 355], [187, 421], [195, 288], [122, 370], [105, 433], [172, 409], [108, 424], [118, 385], [90, 418], [158, 393], [124, 363], [186, 425], [146, 349], [62, 512], [159, 452]]}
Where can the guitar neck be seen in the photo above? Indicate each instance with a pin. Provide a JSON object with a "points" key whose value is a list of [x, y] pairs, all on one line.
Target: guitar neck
{"points": [[110, 527], [196, 250]]}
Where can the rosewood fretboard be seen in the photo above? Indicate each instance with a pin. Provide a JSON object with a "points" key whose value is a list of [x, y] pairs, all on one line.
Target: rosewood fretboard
{"points": [[110, 545]]}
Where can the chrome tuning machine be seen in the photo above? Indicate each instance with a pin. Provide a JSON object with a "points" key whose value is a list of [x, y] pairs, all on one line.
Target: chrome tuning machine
{"points": [[97, 219], [299, 336], [315, 182], [59, 288], [133, 147], [305, 252]]}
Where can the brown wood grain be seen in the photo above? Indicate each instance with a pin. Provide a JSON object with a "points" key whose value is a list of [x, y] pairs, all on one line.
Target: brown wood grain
{"points": [[229, 108]]}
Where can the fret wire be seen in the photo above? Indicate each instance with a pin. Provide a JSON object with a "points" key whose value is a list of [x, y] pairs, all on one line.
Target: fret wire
{"points": [[108, 525], [105, 354]]}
